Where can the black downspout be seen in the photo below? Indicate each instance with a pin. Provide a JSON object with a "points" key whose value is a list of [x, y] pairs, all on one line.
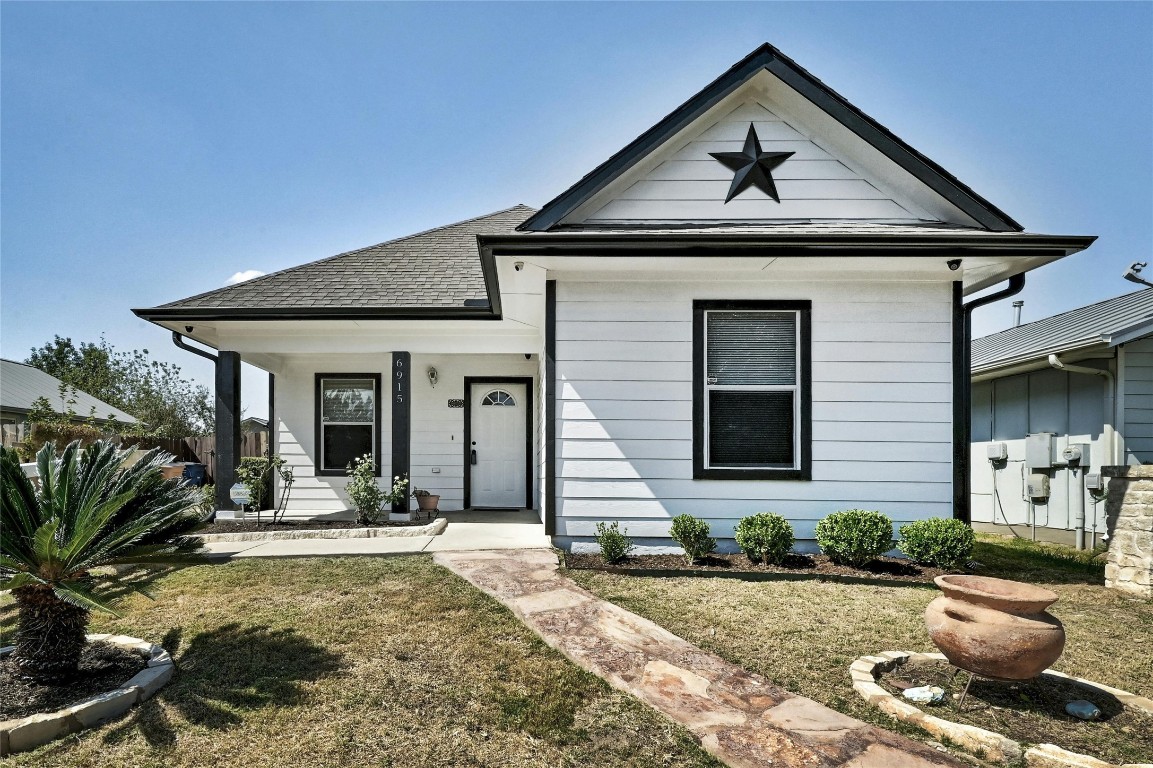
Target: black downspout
{"points": [[963, 390]]}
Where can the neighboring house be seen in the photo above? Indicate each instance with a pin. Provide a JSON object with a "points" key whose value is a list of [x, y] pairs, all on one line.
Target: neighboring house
{"points": [[21, 385], [754, 306], [254, 424], [1097, 392]]}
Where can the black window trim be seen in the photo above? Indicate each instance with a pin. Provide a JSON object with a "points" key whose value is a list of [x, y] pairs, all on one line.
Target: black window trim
{"points": [[700, 428], [318, 437]]}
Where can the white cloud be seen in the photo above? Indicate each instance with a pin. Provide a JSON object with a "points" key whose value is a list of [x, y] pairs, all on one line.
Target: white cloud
{"points": [[240, 277]]}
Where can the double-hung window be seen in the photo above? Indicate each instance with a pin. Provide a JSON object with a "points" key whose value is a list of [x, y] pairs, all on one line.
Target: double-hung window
{"points": [[752, 406], [347, 420]]}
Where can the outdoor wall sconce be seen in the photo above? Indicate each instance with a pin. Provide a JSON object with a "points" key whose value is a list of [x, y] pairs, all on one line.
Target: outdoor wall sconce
{"points": [[433, 376]]}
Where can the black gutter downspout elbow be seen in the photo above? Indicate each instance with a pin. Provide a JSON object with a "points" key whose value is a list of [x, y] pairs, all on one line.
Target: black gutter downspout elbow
{"points": [[963, 390], [178, 340]]}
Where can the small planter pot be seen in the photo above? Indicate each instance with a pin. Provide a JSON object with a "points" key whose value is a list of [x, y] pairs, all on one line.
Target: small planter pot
{"points": [[428, 503], [994, 627]]}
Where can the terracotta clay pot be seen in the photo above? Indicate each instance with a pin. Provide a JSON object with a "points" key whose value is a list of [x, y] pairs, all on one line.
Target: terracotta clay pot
{"points": [[994, 627], [427, 503]]}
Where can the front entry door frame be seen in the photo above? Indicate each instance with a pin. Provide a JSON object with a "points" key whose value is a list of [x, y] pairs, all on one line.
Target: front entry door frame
{"points": [[527, 381]]}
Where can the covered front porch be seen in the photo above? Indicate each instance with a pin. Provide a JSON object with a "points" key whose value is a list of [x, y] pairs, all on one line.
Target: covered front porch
{"points": [[464, 427]]}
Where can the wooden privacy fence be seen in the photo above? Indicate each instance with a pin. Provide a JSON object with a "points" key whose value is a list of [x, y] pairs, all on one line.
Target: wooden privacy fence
{"points": [[200, 449]]}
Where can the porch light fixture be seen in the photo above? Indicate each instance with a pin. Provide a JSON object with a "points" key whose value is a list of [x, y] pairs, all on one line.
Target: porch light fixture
{"points": [[433, 376]]}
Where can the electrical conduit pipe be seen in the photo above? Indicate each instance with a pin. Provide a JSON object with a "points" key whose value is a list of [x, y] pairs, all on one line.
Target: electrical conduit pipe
{"points": [[1108, 436]]}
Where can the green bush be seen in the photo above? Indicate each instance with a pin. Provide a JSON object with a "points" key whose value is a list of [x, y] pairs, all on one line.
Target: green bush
{"points": [[614, 543], [938, 542], [693, 536], [855, 536], [765, 537]]}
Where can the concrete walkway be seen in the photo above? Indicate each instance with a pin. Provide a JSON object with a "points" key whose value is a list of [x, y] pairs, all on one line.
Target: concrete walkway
{"points": [[739, 717], [468, 530]]}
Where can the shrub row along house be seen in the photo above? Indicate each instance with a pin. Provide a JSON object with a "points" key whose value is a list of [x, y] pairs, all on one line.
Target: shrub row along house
{"points": [[758, 304]]}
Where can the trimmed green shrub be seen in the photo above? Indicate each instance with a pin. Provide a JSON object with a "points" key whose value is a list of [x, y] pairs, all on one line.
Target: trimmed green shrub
{"points": [[765, 537], [855, 536], [693, 536], [938, 542], [614, 543]]}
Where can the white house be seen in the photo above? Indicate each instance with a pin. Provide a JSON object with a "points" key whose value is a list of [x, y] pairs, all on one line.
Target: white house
{"points": [[757, 305], [1080, 379]]}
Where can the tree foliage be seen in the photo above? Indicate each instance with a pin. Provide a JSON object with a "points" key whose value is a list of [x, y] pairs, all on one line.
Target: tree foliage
{"points": [[166, 404]]}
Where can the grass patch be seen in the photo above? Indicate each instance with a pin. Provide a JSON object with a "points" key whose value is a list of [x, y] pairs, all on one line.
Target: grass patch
{"points": [[803, 635], [358, 661]]}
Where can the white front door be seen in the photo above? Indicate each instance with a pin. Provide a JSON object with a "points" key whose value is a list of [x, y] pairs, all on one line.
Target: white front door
{"points": [[498, 445]]}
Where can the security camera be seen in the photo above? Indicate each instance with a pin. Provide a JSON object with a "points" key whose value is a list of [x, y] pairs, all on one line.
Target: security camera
{"points": [[954, 264], [518, 266], [188, 329]]}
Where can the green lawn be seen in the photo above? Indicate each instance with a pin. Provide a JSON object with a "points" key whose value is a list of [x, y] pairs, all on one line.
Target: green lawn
{"points": [[803, 635], [359, 661]]}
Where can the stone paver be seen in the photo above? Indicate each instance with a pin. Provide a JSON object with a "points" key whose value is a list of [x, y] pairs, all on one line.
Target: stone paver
{"points": [[739, 717]]}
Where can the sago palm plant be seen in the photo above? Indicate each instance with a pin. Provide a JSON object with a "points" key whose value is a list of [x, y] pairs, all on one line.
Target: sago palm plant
{"points": [[88, 512]]}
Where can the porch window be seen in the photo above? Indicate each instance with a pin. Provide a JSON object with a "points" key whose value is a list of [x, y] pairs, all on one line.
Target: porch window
{"points": [[348, 420], [752, 404]]}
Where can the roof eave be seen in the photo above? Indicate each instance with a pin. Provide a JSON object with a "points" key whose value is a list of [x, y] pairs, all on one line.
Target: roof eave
{"points": [[768, 58], [1039, 359], [205, 314], [673, 243]]}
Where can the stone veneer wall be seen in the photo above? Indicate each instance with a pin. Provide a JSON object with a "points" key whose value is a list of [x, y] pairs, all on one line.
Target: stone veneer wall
{"points": [[1129, 510]]}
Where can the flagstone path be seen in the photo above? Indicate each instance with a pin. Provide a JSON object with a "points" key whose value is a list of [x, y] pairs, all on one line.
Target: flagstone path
{"points": [[739, 717]]}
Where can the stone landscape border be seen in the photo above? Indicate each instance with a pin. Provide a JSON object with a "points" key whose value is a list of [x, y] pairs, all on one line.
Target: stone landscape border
{"points": [[435, 528], [979, 741], [30, 732]]}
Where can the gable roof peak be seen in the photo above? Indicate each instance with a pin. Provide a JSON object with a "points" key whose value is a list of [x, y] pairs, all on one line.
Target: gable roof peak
{"points": [[768, 58]]}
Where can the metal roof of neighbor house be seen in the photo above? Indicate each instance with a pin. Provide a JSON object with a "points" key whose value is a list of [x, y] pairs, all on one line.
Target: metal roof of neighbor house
{"points": [[436, 273], [21, 385], [1106, 323]]}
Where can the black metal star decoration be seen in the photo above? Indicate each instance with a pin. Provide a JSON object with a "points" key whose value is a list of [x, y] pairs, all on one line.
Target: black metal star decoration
{"points": [[753, 167]]}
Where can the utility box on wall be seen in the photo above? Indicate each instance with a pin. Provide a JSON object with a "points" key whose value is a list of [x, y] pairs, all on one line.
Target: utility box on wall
{"points": [[1037, 486], [1039, 450]]}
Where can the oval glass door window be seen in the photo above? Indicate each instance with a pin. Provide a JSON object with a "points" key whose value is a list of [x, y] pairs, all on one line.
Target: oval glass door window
{"points": [[498, 397]]}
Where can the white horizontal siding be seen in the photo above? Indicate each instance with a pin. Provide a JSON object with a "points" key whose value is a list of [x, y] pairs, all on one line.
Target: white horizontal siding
{"points": [[742, 208], [690, 185], [296, 429], [882, 414]]}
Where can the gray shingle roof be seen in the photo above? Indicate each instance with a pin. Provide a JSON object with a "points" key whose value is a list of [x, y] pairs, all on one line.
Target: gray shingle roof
{"points": [[1095, 324], [436, 269], [21, 384]]}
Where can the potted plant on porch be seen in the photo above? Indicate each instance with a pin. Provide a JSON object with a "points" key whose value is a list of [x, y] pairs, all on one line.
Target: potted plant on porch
{"points": [[426, 501]]}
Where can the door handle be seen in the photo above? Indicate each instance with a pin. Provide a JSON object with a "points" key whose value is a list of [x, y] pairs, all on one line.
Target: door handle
{"points": [[474, 457]]}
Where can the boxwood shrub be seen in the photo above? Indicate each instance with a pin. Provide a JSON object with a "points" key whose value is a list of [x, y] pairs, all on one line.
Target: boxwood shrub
{"points": [[765, 537], [693, 536], [938, 542], [615, 544], [855, 536]]}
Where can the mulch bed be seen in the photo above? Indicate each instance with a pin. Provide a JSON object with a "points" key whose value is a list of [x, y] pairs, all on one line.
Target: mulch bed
{"points": [[103, 667], [1033, 711], [251, 526], [816, 566]]}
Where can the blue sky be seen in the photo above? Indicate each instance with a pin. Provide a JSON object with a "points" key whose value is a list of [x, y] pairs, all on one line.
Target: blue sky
{"points": [[152, 150]]}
